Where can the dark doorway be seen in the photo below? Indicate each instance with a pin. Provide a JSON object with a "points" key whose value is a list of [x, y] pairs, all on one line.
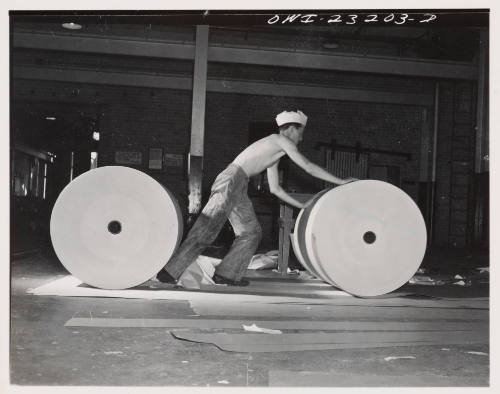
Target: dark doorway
{"points": [[51, 143]]}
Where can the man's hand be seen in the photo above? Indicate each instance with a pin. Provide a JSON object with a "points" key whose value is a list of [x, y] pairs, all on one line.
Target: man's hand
{"points": [[307, 203]]}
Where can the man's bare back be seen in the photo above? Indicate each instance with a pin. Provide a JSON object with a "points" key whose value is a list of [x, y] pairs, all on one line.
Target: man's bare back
{"points": [[266, 153], [260, 155]]}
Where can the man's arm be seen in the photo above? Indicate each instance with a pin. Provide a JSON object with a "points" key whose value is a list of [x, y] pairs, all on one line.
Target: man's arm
{"points": [[308, 166], [276, 189]]}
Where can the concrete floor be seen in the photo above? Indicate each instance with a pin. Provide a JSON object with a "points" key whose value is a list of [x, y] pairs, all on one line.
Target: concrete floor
{"points": [[44, 352]]}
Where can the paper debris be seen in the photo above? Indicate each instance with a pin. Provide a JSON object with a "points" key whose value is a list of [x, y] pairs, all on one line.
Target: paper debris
{"points": [[289, 271], [425, 280], [223, 381], [483, 269], [306, 275], [255, 328], [421, 270], [390, 358], [458, 277], [445, 349], [113, 352], [199, 273], [419, 278], [459, 283], [268, 260], [478, 353]]}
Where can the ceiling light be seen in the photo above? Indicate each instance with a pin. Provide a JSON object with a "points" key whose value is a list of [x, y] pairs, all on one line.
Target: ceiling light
{"points": [[72, 26]]}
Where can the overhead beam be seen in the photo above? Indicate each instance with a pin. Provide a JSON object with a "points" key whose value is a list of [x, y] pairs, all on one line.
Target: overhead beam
{"points": [[220, 86], [265, 57], [101, 77], [365, 64], [319, 92], [104, 45]]}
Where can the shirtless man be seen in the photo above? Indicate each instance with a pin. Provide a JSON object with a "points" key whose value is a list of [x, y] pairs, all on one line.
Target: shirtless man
{"points": [[229, 200]]}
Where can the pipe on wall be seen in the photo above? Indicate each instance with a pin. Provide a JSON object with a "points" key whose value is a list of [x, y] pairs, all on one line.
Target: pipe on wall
{"points": [[434, 163]]}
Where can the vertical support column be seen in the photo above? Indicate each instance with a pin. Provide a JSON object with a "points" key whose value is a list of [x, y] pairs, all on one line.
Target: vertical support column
{"points": [[480, 164], [195, 164], [425, 137], [425, 184], [12, 170], [434, 164], [285, 229]]}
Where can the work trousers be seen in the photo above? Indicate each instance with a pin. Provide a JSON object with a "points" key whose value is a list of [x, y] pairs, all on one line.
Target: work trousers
{"points": [[228, 200]]}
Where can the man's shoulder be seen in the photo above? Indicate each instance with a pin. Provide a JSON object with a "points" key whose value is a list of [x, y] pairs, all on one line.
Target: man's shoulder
{"points": [[272, 138], [278, 137], [284, 142]]}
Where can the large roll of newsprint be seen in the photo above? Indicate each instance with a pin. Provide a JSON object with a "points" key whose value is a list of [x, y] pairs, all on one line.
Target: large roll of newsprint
{"points": [[115, 227], [366, 237]]}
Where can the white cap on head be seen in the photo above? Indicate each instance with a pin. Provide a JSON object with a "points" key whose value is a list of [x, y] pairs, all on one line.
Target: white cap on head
{"points": [[291, 117]]}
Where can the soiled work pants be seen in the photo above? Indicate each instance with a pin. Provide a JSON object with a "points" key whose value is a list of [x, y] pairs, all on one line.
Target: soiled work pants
{"points": [[228, 200]]}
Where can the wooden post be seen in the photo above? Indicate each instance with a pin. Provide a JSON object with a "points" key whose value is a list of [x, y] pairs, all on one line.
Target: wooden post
{"points": [[195, 167]]}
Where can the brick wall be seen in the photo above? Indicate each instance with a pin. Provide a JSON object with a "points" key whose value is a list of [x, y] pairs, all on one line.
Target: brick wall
{"points": [[455, 160], [381, 126]]}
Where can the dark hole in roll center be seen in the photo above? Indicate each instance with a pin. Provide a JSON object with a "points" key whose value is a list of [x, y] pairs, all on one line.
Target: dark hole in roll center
{"points": [[369, 237], [114, 227]]}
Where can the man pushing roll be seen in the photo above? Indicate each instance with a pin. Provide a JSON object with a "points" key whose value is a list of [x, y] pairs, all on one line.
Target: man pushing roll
{"points": [[229, 200]]}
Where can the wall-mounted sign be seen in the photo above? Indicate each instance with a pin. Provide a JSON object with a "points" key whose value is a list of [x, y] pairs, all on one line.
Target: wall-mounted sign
{"points": [[172, 160], [155, 158], [134, 158]]}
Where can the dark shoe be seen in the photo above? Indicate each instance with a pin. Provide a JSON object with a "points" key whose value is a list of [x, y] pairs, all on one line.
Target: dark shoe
{"points": [[164, 277], [220, 280]]}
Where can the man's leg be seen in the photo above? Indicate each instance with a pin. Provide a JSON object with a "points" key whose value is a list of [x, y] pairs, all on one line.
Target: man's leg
{"points": [[203, 232], [248, 234]]}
